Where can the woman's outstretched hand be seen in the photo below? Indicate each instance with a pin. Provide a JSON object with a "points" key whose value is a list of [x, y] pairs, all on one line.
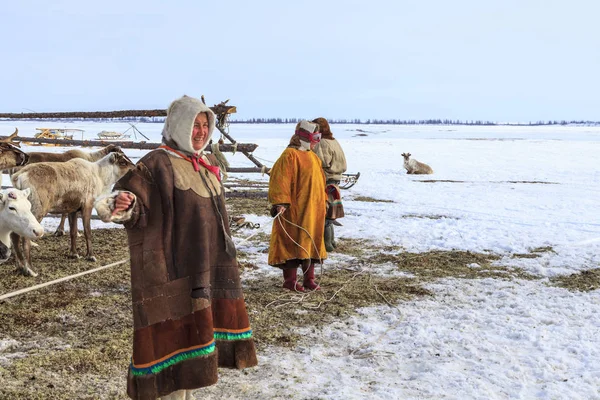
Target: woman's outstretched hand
{"points": [[122, 202]]}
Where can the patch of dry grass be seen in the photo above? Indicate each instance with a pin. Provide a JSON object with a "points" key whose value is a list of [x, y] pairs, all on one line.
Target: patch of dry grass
{"points": [[353, 247], [437, 180], [531, 182], [257, 206], [543, 249], [535, 253], [90, 316], [449, 264], [525, 255], [428, 216], [584, 281], [275, 311], [494, 139], [371, 199], [453, 181]]}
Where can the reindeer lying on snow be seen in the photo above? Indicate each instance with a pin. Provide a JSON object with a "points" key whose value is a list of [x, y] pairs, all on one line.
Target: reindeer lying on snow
{"points": [[415, 167], [16, 216], [66, 187]]}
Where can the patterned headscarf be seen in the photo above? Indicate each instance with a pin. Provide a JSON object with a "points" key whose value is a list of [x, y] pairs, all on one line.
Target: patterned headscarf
{"points": [[302, 126]]}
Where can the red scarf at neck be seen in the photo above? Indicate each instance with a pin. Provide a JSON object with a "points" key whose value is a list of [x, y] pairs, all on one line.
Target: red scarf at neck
{"points": [[196, 161]]}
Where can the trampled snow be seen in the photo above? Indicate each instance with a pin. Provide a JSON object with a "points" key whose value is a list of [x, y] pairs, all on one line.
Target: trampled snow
{"points": [[502, 190]]}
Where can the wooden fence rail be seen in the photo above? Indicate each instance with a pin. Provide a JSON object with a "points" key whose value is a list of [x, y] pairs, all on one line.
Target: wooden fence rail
{"points": [[241, 147], [217, 109]]}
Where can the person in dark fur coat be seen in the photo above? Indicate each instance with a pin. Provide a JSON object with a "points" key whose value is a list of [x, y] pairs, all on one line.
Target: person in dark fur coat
{"points": [[189, 313], [333, 159]]}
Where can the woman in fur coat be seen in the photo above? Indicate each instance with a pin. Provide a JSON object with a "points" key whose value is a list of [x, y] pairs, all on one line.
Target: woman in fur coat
{"points": [[334, 165], [297, 193], [189, 313]]}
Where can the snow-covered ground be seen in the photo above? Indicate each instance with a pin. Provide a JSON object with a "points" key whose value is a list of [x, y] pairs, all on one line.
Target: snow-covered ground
{"points": [[508, 190]]}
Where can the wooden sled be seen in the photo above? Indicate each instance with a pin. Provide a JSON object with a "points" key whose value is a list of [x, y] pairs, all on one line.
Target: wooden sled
{"points": [[349, 180]]}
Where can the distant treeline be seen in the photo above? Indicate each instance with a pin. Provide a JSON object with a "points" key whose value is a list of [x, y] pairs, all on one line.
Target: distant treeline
{"points": [[159, 119], [409, 122]]}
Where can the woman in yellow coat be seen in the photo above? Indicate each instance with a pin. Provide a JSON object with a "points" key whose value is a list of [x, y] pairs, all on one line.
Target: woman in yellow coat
{"points": [[297, 194]]}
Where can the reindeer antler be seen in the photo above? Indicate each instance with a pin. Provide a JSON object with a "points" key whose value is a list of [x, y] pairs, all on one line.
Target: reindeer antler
{"points": [[11, 139]]}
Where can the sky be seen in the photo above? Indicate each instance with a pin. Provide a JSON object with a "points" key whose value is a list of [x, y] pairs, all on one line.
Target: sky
{"points": [[513, 60], [472, 338]]}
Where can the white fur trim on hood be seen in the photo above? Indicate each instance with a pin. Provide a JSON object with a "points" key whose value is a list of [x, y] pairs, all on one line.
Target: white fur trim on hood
{"points": [[180, 123], [308, 126]]}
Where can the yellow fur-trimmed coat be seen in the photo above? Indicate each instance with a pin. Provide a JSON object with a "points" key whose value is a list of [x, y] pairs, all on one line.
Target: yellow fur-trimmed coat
{"points": [[297, 181]]}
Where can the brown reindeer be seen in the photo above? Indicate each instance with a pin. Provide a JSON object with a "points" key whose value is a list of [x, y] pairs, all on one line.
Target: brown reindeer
{"points": [[415, 167], [66, 188], [36, 157], [39, 156], [11, 155]]}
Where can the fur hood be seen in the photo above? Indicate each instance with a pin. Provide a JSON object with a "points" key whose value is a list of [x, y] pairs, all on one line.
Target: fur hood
{"points": [[323, 128], [300, 143], [179, 124]]}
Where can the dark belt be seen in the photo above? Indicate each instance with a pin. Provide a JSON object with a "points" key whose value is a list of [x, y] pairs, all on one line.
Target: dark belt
{"points": [[331, 181]]}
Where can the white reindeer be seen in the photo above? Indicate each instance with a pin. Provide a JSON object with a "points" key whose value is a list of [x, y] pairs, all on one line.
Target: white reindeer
{"points": [[415, 167], [66, 188], [16, 216]]}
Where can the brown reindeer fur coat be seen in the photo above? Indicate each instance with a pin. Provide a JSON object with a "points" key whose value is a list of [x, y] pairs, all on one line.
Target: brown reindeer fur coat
{"points": [[177, 244]]}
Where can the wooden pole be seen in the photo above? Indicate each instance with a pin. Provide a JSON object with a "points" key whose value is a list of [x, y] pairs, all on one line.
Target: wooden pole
{"points": [[217, 109], [244, 147], [247, 169], [245, 152]]}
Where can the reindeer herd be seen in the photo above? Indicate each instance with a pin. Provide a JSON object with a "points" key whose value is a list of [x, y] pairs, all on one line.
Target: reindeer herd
{"points": [[51, 183], [67, 184]]}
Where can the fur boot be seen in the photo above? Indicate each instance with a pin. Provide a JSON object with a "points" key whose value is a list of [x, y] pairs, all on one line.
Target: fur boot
{"points": [[329, 235], [290, 276], [333, 243], [309, 278]]}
